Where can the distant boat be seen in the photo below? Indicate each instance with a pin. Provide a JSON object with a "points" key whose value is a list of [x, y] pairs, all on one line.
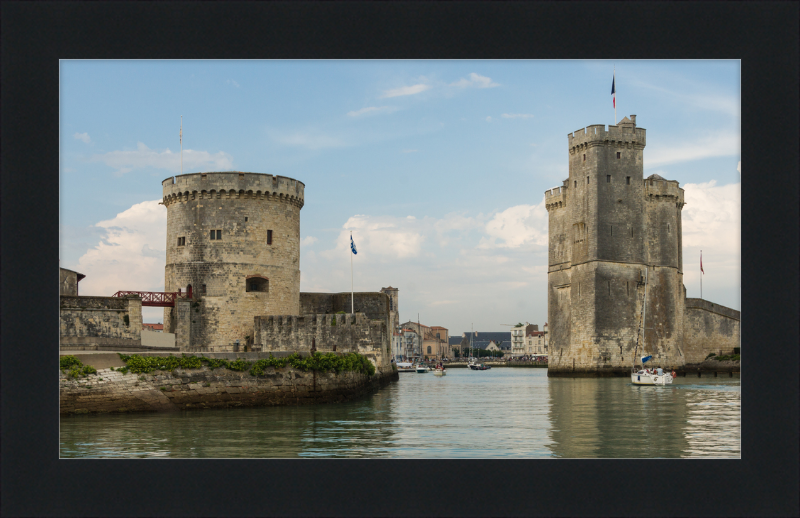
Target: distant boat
{"points": [[405, 367], [422, 369]]}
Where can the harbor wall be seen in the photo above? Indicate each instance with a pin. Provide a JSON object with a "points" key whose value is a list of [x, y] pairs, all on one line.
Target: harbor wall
{"points": [[709, 328], [187, 389]]}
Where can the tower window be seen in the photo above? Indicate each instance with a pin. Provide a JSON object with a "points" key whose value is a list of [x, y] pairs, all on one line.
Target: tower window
{"points": [[241, 175], [628, 180], [608, 178], [216, 234], [618, 154], [245, 219], [181, 241], [202, 289], [269, 237], [584, 157], [587, 180], [203, 176], [576, 184], [257, 284]]}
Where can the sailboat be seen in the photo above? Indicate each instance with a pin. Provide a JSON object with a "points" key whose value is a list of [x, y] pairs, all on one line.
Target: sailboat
{"points": [[643, 376]]}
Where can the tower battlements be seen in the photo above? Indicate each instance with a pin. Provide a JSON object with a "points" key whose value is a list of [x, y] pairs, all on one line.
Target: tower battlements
{"points": [[232, 184], [555, 198], [657, 188], [624, 134]]}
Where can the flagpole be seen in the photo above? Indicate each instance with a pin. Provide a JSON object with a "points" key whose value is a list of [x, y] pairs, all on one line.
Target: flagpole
{"points": [[701, 274], [352, 297], [614, 80], [181, 136]]}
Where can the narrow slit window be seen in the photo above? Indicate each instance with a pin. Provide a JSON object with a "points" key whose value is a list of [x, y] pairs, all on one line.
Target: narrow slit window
{"points": [[584, 157], [269, 237], [608, 178], [609, 287], [618, 154], [245, 219], [181, 241], [587, 180], [576, 183], [628, 180], [202, 289], [612, 230], [219, 235]]}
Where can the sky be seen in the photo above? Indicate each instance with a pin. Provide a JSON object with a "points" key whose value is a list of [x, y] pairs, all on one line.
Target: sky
{"points": [[439, 168]]}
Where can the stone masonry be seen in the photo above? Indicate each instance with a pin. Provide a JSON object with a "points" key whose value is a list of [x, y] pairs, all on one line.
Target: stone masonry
{"points": [[98, 321], [609, 227], [233, 239]]}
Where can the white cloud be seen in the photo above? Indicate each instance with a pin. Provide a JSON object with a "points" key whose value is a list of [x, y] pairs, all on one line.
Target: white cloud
{"points": [[232, 82], [475, 80], [83, 137], [128, 160], [308, 241], [739, 167], [517, 116], [693, 95], [372, 110], [131, 255], [712, 222], [708, 146], [517, 226], [489, 119], [406, 90]]}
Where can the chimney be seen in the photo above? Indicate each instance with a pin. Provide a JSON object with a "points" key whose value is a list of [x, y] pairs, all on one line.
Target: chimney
{"points": [[633, 119]]}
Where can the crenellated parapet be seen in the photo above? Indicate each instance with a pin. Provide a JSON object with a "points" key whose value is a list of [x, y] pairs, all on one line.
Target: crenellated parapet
{"points": [[624, 135], [555, 198], [658, 189], [232, 185]]}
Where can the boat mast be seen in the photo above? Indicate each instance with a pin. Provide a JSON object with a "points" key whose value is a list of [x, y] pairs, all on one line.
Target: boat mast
{"points": [[641, 327]]}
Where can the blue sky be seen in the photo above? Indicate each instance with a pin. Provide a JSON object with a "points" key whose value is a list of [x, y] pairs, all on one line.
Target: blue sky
{"points": [[438, 167]]}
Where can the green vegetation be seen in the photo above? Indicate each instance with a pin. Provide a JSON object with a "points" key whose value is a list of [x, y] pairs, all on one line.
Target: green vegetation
{"points": [[75, 367], [333, 320], [710, 355], [317, 362], [728, 357], [341, 313]]}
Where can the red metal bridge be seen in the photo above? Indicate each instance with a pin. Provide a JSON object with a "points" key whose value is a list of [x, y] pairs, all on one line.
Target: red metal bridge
{"points": [[161, 299]]}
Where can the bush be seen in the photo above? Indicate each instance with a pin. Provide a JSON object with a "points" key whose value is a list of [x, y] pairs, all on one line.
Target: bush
{"points": [[710, 355], [317, 362], [65, 362]]}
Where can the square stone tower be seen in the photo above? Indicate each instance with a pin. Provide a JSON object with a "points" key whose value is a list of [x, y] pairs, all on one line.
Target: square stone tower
{"points": [[607, 225]]}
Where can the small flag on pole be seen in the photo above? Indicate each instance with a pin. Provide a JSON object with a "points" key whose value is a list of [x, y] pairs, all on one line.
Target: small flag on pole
{"points": [[613, 90], [353, 245], [701, 263]]}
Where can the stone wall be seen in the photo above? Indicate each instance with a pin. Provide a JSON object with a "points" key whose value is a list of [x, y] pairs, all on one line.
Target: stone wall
{"points": [[326, 333], [242, 273], [709, 328], [186, 389], [68, 282], [374, 305], [100, 321]]}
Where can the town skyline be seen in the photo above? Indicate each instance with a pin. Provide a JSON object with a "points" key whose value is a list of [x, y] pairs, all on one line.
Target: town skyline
{"points": [[437, 167]]}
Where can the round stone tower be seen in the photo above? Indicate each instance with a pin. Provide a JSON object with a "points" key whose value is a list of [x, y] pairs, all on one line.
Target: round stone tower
{"points": [[233, 241]]}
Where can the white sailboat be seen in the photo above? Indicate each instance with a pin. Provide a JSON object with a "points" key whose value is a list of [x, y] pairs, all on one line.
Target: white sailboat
{"points": [[646, 376]]}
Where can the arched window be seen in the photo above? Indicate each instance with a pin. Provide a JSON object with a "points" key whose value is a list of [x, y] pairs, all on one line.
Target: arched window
{"points": [[256, 283], [429, 349]]}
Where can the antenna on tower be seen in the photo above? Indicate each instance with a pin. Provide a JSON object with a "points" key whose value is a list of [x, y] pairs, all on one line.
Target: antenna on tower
{"points": [[181, 137]]}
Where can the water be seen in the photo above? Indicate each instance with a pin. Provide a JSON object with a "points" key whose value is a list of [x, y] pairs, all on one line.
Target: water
{"points": [[500, 413]]}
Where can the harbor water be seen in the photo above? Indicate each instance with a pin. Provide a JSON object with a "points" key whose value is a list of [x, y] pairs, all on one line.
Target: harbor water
{"points": [[499, 413]]}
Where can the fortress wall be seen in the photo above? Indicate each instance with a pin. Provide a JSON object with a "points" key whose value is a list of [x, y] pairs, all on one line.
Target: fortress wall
{"points": [[373, 304], [68, 282], [100, 320], [327, 333], [663, 203], [708, 328], [618, 299]]}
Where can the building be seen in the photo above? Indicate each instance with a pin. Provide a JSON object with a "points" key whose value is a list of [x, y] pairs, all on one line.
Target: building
{"points": [[609, 229], [482, 339], [156, 328], [68, 282], [433, 341], [394, 308]]}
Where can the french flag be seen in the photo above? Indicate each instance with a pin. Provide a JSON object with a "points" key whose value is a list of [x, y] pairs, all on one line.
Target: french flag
{"points": [[613, 91]]}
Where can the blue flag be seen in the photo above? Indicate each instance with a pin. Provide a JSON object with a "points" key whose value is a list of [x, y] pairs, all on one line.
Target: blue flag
{"points": [[352, 245], [645, 359]]}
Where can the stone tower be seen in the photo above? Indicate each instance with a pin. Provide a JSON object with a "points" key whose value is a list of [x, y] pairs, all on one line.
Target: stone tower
{"points": [[233, 239], [394, 309], [606, 225]]}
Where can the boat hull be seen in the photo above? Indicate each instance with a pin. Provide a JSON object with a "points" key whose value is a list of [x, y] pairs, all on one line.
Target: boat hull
{"points": [[650, 379]]}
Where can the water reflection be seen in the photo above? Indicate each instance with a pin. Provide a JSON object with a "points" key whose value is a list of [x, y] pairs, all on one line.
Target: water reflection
{"points": [[501, 413]]}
